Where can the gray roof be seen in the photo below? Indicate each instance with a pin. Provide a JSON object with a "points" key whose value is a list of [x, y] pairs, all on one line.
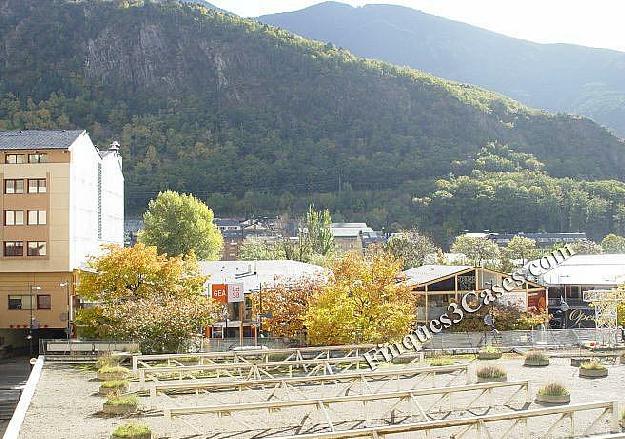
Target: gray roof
{"points": [[596, 270], [428, 273], [254, 273], [35, 139]]}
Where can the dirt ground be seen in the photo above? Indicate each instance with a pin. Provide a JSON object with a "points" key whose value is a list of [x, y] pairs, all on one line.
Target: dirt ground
{"points": [[66, 405]]}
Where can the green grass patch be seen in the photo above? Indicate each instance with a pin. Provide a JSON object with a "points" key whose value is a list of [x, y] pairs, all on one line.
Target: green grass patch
{"points": [[130, 430], [129, 400]]}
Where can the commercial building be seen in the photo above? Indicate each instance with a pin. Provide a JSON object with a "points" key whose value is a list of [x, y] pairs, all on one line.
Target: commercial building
{"points": [[61, 198], [567, 282], [437, 286], [251, 276]]}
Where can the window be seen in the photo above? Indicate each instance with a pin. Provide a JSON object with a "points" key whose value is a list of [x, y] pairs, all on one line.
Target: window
{"points": [[36, 185], [15, 158], [13, 217], [20, 302], [37, 158], [12, 186], [36, 248], [13, 248], [44, 301], [36, 217]]}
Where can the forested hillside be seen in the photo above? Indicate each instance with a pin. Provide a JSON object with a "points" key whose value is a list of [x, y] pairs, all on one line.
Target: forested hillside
{"points": [[557, 77], [254, 119]]}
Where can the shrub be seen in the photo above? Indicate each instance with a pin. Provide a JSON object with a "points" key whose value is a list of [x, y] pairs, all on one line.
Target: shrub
{"points": [[114, 384], [129, 400], [553, 389], [440, 361], [491, 372], [592, 365], [536, 358], [109, 373], [490, 349], [132, 430], [114, 387], [107, 360]]}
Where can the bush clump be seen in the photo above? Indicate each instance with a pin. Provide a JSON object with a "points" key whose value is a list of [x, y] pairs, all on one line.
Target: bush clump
{"points": [[491, 372], [112, 373], [132, 431], [489, 353], [106, 360], [592, 365], [536, 358], [553, 389], [114, 387], [441, 361], [120, 405]]}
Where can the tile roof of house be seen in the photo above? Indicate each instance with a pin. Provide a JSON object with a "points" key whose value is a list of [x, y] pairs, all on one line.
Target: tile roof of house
{"points": [[428, 273], [38, 139]]}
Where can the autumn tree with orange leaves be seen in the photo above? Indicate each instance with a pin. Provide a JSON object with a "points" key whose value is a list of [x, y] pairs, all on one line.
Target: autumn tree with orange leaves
{"points": [[287, 305]]}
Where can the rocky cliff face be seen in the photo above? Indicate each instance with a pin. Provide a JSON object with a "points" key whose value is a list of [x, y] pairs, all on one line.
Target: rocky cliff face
{"points": [[212, 103]]}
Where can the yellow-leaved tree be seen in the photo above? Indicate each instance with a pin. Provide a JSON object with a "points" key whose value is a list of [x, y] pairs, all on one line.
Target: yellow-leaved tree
{"points": [[362, 302], [142, 296]]}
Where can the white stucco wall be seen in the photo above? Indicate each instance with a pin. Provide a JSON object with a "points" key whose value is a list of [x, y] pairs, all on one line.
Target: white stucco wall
{"points": [[84, 200]]}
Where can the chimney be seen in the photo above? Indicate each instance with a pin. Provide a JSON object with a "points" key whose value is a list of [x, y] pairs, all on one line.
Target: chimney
{"points": [[114, 146]]}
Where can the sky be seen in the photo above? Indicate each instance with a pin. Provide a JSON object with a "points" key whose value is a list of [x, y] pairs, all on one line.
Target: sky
{"points": [[596, 23]]}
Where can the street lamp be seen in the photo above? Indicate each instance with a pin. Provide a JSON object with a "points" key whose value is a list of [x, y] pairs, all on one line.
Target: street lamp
{"points": [[32, 318], [70, 310]]}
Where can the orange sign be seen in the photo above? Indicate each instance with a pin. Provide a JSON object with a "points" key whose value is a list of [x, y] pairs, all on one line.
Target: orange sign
{"points": [[219, 292]]}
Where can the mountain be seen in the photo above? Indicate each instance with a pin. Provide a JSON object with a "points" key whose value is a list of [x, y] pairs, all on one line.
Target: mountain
{"points": [[555, 77], [254, 119]]}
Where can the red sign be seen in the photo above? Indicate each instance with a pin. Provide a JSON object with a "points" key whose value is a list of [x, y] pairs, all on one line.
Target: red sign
{"points": [[219, 292]]}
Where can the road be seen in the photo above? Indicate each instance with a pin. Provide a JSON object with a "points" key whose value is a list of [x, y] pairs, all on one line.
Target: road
{"points": [[13, 375]]}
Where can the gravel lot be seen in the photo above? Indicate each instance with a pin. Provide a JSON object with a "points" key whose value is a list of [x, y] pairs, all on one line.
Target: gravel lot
{"points": [[66, 406]]}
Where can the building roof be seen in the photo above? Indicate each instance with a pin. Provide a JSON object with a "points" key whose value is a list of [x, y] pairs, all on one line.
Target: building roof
{"points": [[349, 226], [600, 270], [227, 222], [349, 230], [253, 274], [428, 273], [38, 139]]}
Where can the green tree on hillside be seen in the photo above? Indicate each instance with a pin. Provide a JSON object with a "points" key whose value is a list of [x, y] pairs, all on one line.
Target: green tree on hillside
{"points": [[523, 248], [411, 247], [316, 234], [586, 247], [613, 243], [477, 249], [259, 249], [179, 224]]}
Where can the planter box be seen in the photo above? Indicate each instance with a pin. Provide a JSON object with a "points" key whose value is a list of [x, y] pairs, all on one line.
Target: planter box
{"points": [[136, 436], [536, 363], [488, 355], [593, 373], [492, 380], [577, 361], [553, 400], [106, 391], [120, 409]]}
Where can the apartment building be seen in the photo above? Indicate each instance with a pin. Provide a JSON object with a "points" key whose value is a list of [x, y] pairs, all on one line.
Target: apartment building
{"points": [[61, 198]]}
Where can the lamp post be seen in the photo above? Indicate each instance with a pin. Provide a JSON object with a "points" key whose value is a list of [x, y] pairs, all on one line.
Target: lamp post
{"points": [[32, 317], [69, 309]]}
